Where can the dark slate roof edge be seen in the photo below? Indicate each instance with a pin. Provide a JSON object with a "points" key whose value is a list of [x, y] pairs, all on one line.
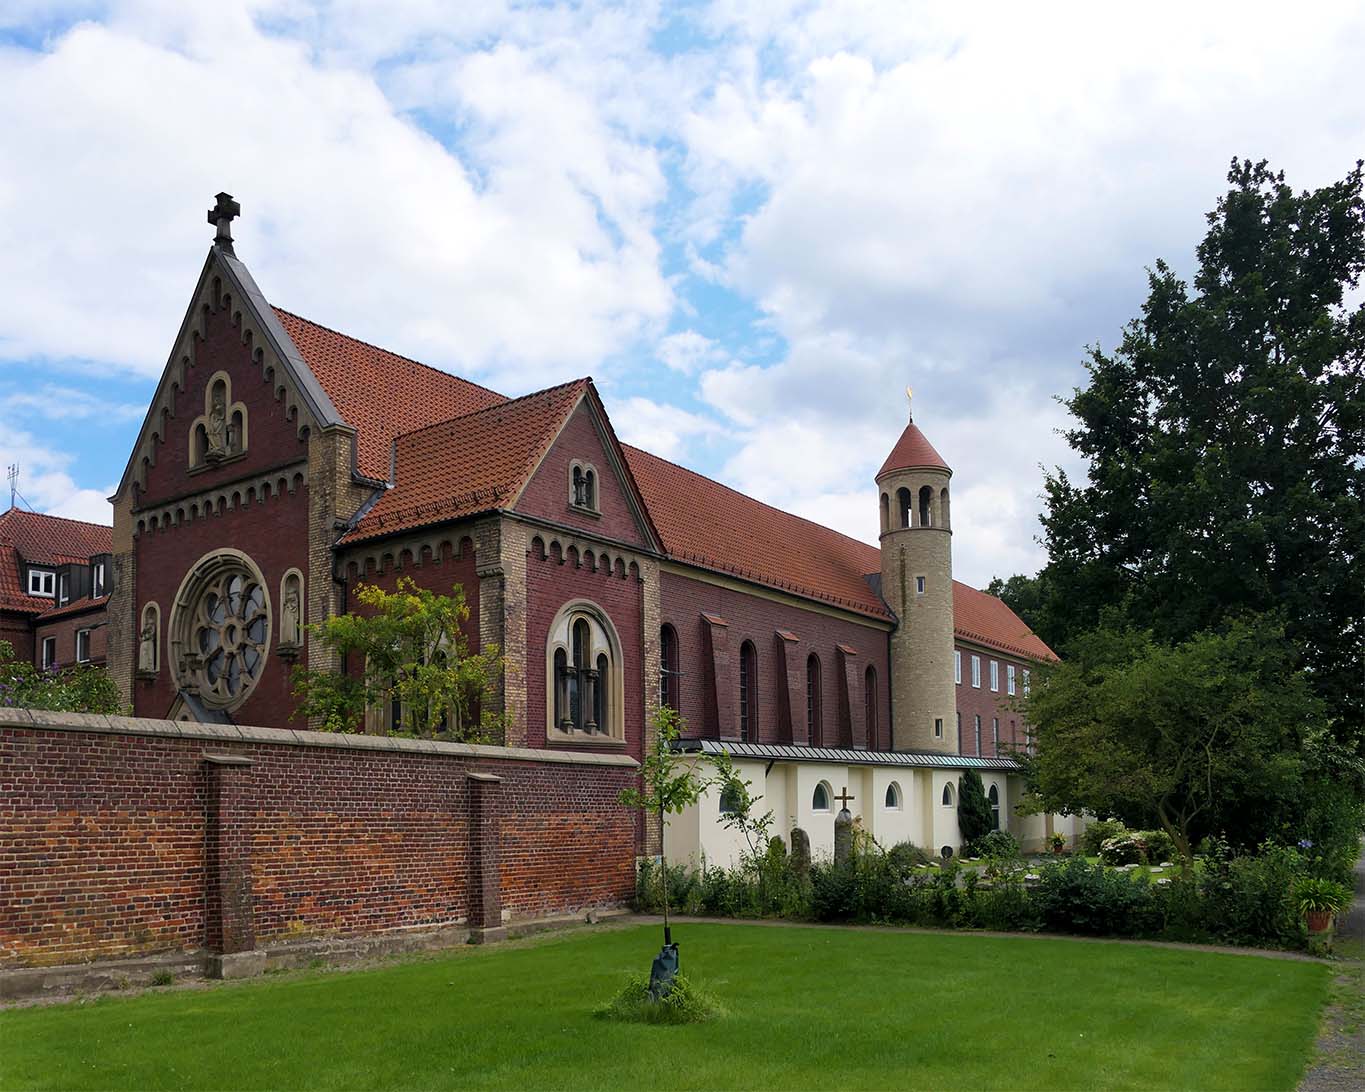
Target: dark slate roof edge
{"points": [[846, 756]]}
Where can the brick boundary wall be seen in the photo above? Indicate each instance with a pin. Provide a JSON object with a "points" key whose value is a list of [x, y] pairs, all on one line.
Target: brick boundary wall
{"points": [[121, 836]]}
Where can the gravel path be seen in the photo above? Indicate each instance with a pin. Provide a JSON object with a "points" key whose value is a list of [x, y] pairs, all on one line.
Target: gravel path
{"points": [[1340, 1062]]}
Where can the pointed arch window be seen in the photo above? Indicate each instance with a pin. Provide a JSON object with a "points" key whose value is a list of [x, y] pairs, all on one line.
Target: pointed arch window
{"points": [[948, 795], [993, 798], [813, 710]]}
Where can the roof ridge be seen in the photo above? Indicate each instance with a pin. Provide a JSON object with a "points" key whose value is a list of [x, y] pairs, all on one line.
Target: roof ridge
{"points": [[498, 406], [755, 500], [64, 519], [381, 349]]}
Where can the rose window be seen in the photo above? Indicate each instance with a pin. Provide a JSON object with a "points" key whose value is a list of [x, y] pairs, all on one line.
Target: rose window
{"points": [[222, 629]]}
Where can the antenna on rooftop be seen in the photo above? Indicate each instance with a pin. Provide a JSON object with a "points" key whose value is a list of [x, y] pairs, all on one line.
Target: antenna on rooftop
{"points": [[12, 472]]}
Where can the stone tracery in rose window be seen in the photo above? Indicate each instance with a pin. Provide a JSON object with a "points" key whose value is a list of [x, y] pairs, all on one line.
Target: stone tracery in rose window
{"points": [[222, 630]]}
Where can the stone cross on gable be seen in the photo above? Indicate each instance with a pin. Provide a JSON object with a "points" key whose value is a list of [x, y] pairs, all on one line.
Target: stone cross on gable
{"points": [[221, 216], [844, 798]]}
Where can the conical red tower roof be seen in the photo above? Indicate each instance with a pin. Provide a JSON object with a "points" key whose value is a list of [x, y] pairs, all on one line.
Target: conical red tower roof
{"points": [[913, 449]]}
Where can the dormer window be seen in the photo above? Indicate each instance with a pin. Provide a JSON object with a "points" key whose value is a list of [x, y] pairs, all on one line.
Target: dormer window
{"points": [[42, 582], [63, 589], [97, 579], [583, 487]]}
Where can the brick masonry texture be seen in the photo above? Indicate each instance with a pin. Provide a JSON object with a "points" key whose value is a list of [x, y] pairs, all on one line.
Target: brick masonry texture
{"points": [[65, 629], [756, 618], [105, 838], [547, 493], [558, 578], [972, 702]]}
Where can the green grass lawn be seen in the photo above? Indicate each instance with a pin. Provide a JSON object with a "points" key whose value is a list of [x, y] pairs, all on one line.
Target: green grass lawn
{"points": [[806, 1008]]}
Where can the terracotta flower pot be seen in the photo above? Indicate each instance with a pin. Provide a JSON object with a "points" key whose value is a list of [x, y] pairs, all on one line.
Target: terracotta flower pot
{"points": [[1318, 920]]}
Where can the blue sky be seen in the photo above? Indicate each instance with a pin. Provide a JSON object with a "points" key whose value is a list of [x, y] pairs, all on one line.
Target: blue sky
{"points": [[753, 223]]}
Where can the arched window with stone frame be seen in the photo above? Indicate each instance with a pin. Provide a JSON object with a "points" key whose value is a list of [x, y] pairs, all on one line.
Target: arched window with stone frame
{"points": [[949, 797], [904, 504], [926, 505], [583, 486], [993, 798], [584, 681]]}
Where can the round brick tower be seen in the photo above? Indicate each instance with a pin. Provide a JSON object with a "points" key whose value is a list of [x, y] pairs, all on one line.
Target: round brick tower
{"points": [[917, 583]]}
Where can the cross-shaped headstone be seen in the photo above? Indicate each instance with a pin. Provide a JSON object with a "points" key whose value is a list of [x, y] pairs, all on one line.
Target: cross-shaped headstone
{"points": [[844, 798], [221, 216]]}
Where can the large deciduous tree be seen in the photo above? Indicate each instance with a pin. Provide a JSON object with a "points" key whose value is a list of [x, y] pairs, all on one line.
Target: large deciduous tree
{"points": [[1208, 736], [1224, 443]]}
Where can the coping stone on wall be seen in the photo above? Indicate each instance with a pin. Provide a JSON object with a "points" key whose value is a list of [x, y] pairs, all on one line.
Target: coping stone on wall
{"points": [[288, 737]]}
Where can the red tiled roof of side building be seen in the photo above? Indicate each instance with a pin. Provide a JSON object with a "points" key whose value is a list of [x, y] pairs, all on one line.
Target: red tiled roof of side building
{"points": [[380, 394], [13, 595], [911, 450], [76, 606], [469, 464], [54, 540], [987, 620], [715, 527]]}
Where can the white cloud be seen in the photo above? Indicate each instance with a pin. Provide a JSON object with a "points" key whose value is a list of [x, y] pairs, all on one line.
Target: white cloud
{"points": [[45, 480], [530, 260], [688, 351], [664, 430], [56, 403]]}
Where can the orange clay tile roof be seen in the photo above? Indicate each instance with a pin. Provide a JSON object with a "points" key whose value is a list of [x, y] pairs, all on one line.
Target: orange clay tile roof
{"points": [[47, 540], [710, 525], [461, 448], [470, 464], [989, 621], [380, 394], [76, 606], [912, 449]]}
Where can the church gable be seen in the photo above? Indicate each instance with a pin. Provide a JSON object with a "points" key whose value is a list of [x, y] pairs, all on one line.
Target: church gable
{"points": [[235, 397], [582, 481]]}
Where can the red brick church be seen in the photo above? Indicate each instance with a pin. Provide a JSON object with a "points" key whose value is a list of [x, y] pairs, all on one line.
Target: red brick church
{"points": [[282, 463]]}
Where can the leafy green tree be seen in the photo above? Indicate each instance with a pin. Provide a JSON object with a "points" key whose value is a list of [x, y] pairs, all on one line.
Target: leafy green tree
{"points": [[78, 688], [1224, 444], [411, 650], [670, 783], [1203, 737], [975, 819]]}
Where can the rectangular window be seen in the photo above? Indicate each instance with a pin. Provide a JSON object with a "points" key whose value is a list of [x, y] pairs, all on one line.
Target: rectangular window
{"points": [[995, 676], [957, 668], [995, 735], [49, 651], [97, 579], [1026, 682], [919, 585], [1009, 679], [977, 730], [41, 582], [976, 672], [82, 646], [938, 727], [63, 589]]}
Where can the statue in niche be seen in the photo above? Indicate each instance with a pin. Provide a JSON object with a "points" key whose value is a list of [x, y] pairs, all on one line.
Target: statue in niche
{"points": [[146, 647], [217, 428], [289, 617]]}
